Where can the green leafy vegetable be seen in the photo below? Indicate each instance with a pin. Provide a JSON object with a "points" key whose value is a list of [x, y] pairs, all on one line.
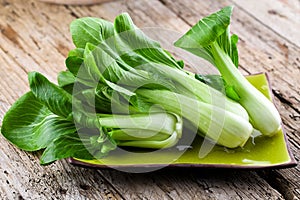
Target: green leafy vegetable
{"points": [[122, 88], [210, 39]]}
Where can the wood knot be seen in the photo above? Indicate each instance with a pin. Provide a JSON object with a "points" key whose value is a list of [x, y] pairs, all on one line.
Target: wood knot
{"points": [[10, 34]]}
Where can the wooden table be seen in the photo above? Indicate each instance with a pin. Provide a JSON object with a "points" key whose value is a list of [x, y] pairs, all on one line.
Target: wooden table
{"points": [[35, 37]]}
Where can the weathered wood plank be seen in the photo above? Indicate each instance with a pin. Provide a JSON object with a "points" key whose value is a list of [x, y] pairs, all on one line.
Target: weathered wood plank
{"points": [[21, 177], [192, 184], [29, 39], [12, 81], [286, 181], [281, 16], [75, 2]]}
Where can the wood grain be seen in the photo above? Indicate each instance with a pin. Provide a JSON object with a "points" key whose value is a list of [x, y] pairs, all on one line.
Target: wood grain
{"points": [[35, 36], [75, 2]]}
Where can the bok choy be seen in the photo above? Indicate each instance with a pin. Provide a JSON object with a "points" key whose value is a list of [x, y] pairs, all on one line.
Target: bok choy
{"points": [[121, 88], [210, 39]]}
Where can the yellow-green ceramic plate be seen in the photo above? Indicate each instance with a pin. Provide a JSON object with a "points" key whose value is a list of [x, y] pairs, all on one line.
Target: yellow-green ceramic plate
{"points": [[263, 152]]}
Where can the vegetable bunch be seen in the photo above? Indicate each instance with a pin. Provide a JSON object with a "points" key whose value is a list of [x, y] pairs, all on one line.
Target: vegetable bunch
{"points": [[122, 88]]}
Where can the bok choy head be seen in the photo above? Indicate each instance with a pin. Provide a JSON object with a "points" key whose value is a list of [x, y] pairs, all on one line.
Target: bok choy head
{"points": [[210, 39], [121, 89]]}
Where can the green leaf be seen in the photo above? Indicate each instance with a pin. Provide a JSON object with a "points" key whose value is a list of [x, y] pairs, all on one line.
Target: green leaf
{"points": [[213, 28], [90, 30], [31, 126], [73, 64], [136, 48], [231, 93], [215, 81], [66, 81], [208, 30], [65, 78], [98, 99], [234, 51], [115, 70], [55, 98], [100, 70], [89, 73], [103, 68], [84, 145], [74, 60], [65, 146], [117, 75], [107, 67], [114, 59], [77, 52]]}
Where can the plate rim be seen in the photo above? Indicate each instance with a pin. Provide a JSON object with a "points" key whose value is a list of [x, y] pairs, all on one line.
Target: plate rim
{"points": [[289, 164]]}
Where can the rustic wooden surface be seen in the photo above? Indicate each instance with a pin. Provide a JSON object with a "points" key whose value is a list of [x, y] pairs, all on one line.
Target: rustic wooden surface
{"points": [[35, 36]]}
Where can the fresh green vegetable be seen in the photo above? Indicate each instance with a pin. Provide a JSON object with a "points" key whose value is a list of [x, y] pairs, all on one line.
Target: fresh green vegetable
{"points": [[121, 89], [210, 39]]}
